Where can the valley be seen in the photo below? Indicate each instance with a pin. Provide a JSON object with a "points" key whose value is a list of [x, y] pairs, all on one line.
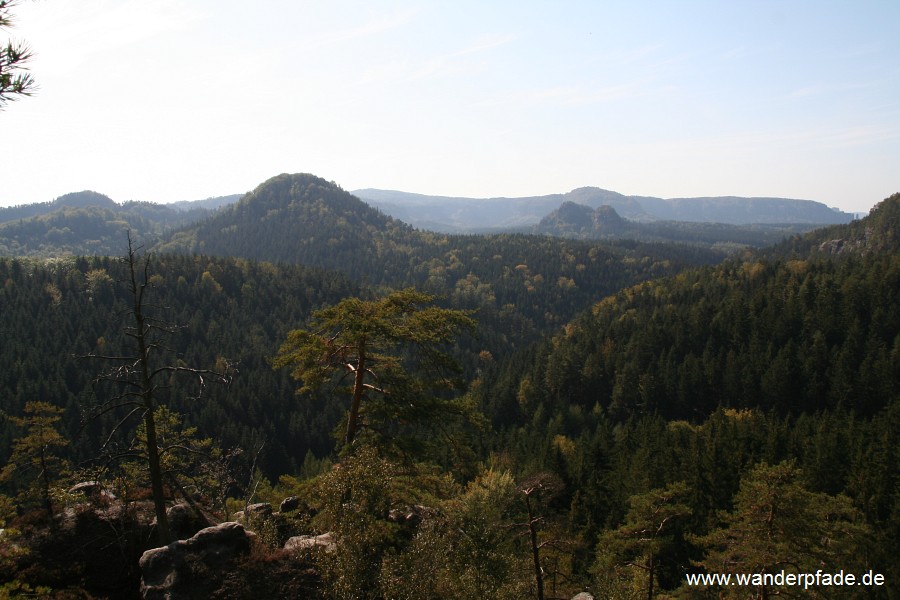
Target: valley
{"points": [[623, 363]]}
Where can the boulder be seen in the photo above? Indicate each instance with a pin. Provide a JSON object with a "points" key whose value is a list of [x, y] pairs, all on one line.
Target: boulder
{"points": [[191, 568], [411, 515], [88, 488], [289, 504], [185, 521], [311, 542], [253, 514], [93, 490], [582, 596], [261, 510]]}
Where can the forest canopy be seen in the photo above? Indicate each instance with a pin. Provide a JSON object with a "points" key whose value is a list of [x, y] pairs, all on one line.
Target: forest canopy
{"points": [[618, 385]]}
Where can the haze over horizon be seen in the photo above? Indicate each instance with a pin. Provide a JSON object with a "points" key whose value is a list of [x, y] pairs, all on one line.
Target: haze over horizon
{"points": [[188, 99]]}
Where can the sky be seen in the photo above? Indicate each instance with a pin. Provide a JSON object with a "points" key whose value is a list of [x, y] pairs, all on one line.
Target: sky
{"points": [[188, 99]]}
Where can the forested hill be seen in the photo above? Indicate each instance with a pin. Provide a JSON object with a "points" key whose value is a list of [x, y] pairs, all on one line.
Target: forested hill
{"points": [[786, 355], [299, 219], [73, 200], [86, 223], [878, 232], [797, 331], [578, 221], [222, 309], [90, 223], [528, 283], [747, 409], [90, 199], [240, 309]]}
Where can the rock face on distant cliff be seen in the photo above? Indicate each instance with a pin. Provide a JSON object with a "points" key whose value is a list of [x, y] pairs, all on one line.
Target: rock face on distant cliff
{"points": [[580, 221], [192, 568]]}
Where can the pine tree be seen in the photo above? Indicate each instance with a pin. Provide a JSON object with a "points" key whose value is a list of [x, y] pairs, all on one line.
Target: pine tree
{"points": [[34, 463], [778, 525], [633, 552], [14, 79], [393, 352]]}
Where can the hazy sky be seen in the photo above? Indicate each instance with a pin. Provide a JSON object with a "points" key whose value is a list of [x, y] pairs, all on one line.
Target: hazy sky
{"points": [[185, 99]]}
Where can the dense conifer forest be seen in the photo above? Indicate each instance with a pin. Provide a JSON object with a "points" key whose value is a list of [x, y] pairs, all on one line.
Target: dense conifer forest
{"points": [[742, 407], [86, 223]]}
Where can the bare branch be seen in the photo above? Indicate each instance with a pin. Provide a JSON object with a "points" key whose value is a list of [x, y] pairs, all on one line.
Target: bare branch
{"points": [[120, 423]]}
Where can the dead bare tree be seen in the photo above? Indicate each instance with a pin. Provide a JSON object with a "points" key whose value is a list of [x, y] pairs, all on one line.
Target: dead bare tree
{"points": [[142, 374], [547, 485]]}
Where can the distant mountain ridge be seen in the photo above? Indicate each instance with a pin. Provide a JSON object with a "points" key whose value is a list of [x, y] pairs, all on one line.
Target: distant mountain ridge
{"points": [[537, 281], [88, 198], [73, 200], [578, 221], [212, 203], [91, 223], [455, 214], [88, 222]]}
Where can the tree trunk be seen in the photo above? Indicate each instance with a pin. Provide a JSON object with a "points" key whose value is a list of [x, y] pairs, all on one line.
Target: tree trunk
{"points": [[358, 389], [155, 469], [535, 549], [156, 480], [45, 481]]}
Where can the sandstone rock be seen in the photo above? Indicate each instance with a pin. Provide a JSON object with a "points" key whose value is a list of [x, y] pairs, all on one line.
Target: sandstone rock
{"points": [[311, 542], [190, 568], [253, 514], [289, 504], [184, 521], [88, 488], [92, 490], [260, 510], [411, 515]]}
